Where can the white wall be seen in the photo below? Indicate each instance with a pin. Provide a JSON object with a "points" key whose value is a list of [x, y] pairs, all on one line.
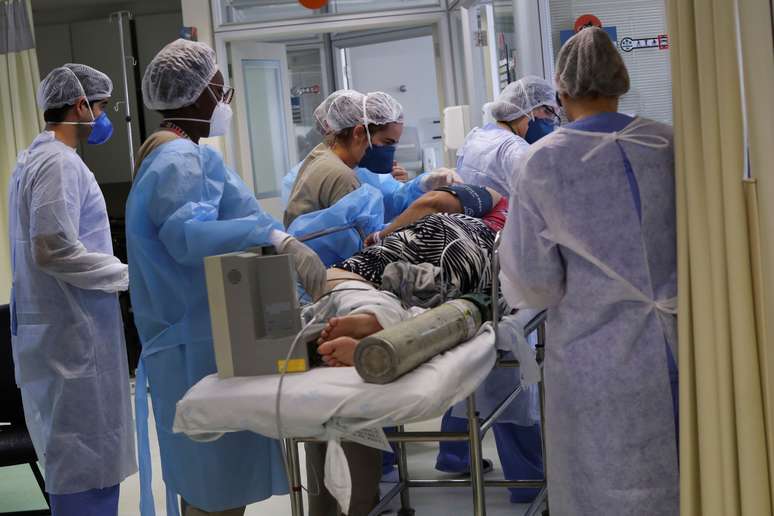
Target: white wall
{"points": [[649, 69], [410, 62]]}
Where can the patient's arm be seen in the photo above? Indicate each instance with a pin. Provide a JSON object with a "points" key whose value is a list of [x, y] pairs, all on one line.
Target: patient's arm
{"points": [[431, 202]]}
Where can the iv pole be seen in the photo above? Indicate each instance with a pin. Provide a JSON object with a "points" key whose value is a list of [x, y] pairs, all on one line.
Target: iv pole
{"points": [[127, 108]]}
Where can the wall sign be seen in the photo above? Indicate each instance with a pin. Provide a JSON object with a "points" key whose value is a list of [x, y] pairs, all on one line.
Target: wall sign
{"points": [[660, 42], [584, 21]]}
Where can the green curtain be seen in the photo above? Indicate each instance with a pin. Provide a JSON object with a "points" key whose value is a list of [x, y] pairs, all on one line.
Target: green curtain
{"points": [[20, 118]]}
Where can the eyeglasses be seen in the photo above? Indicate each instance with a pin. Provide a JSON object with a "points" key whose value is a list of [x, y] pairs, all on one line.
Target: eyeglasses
{"points": [[552, 111], [228, 92]]}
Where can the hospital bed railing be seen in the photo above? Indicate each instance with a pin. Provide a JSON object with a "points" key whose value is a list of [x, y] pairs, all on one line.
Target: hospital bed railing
{"points": [[477, 429]]}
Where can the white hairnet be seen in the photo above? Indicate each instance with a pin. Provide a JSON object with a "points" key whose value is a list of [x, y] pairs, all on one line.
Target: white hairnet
{"points": [[178, 75], [589, 65], [521, 97], [63, 86], [345, 108]]}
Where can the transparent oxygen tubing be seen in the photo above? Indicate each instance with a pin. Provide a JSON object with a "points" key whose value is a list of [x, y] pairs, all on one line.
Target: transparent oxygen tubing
{"points": [[280, 433]]}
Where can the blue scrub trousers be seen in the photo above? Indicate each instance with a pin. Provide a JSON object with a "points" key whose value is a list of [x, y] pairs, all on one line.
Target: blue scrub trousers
{"points": [[519, 448], [94, 502]]}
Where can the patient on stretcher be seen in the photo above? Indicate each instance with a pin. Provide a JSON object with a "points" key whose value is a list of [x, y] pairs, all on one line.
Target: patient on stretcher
{"points": [[458, 223]]}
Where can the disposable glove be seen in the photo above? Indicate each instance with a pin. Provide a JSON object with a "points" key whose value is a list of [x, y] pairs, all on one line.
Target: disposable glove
{"points": [[309, 268], [437, 178]]}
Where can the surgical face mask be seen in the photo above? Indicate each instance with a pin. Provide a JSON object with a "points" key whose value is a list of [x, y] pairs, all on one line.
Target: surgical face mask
{"points": [[101, 128], [379, 158], [220, 119], [538, 128], [101, 131]]}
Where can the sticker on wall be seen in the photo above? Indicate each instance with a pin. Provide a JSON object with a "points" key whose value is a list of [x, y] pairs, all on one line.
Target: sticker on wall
{"points": [[660, 42], [584, 21], [305, 90], [313, 4]]}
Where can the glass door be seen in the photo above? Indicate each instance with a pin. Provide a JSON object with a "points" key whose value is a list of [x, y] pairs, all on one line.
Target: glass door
{"points": [[266, 151]]}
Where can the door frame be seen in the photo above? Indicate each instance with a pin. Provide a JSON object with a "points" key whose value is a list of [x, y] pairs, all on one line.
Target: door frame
{"points": [[245, 157], [297, 29]]}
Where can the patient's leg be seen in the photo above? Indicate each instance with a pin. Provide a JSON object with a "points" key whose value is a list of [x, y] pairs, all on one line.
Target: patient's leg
{"points": [[356, 326], [339, 351]]}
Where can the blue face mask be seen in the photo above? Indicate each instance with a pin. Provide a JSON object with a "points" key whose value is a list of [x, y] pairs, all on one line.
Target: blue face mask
{"points": [[537, 128], [379, 158], [101, 130]]}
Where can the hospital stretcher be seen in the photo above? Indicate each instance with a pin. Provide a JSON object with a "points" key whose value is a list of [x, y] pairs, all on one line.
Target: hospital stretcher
{"points": [[214, 406]]}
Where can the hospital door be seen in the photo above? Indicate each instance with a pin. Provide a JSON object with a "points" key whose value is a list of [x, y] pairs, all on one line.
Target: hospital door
{"points": [[264, 148]]}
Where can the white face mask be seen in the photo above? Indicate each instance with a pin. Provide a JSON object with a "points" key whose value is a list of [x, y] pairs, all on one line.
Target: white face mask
{"points": [[219, 121]]}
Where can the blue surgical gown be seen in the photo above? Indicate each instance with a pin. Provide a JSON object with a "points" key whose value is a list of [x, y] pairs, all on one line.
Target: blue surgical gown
{"points": [[185, 205], [396, 196]]}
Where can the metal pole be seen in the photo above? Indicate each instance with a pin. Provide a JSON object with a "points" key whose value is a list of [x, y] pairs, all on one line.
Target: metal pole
{"points": [[127, 108], [462, 482], [403, 478], [488, 422], [476, 459], [296, 497], [495, 267], [541, 388], [410, 437]]}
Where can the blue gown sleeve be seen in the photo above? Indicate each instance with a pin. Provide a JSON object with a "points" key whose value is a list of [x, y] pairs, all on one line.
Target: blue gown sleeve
{"points": [[397, 196], [202, 208], [532, 272], [288, 180]]}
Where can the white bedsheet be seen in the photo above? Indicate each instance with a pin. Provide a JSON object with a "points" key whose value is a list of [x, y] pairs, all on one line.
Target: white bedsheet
{"points": [[313, 399], [332, 403]]}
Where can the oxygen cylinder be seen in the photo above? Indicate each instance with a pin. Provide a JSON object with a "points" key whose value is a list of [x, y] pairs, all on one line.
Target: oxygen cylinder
{"points": [[389, 354]]}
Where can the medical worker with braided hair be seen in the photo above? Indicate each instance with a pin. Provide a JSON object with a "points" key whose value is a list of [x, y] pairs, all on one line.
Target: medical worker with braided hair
{"points": [[185, 204], [591, 237]]}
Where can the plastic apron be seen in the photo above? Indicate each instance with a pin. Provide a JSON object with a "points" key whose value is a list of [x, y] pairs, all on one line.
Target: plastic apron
{"points": [[396, 196], [68, 341], [338, 232], [575, 243], [186, 205]]}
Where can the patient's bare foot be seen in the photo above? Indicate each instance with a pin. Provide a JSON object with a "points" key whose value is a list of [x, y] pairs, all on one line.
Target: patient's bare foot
{"points": [[356, 326], [338, 352]]}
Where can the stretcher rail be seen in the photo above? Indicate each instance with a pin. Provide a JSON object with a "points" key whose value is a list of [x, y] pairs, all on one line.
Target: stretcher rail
{"points": [[477, 428]]}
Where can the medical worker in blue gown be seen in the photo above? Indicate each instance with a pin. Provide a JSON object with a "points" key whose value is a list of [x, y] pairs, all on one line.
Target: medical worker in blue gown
{"points": [[591, 237], [67, 335], [525, 112], [186, 205], [347, 180]]}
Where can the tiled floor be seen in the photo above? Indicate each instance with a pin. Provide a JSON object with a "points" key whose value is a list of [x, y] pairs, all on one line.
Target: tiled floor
{"points": [[18, 490]]}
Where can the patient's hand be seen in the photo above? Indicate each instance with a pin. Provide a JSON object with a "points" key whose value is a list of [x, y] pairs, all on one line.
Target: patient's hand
{"points": [[339, 352], [373, 238]]}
